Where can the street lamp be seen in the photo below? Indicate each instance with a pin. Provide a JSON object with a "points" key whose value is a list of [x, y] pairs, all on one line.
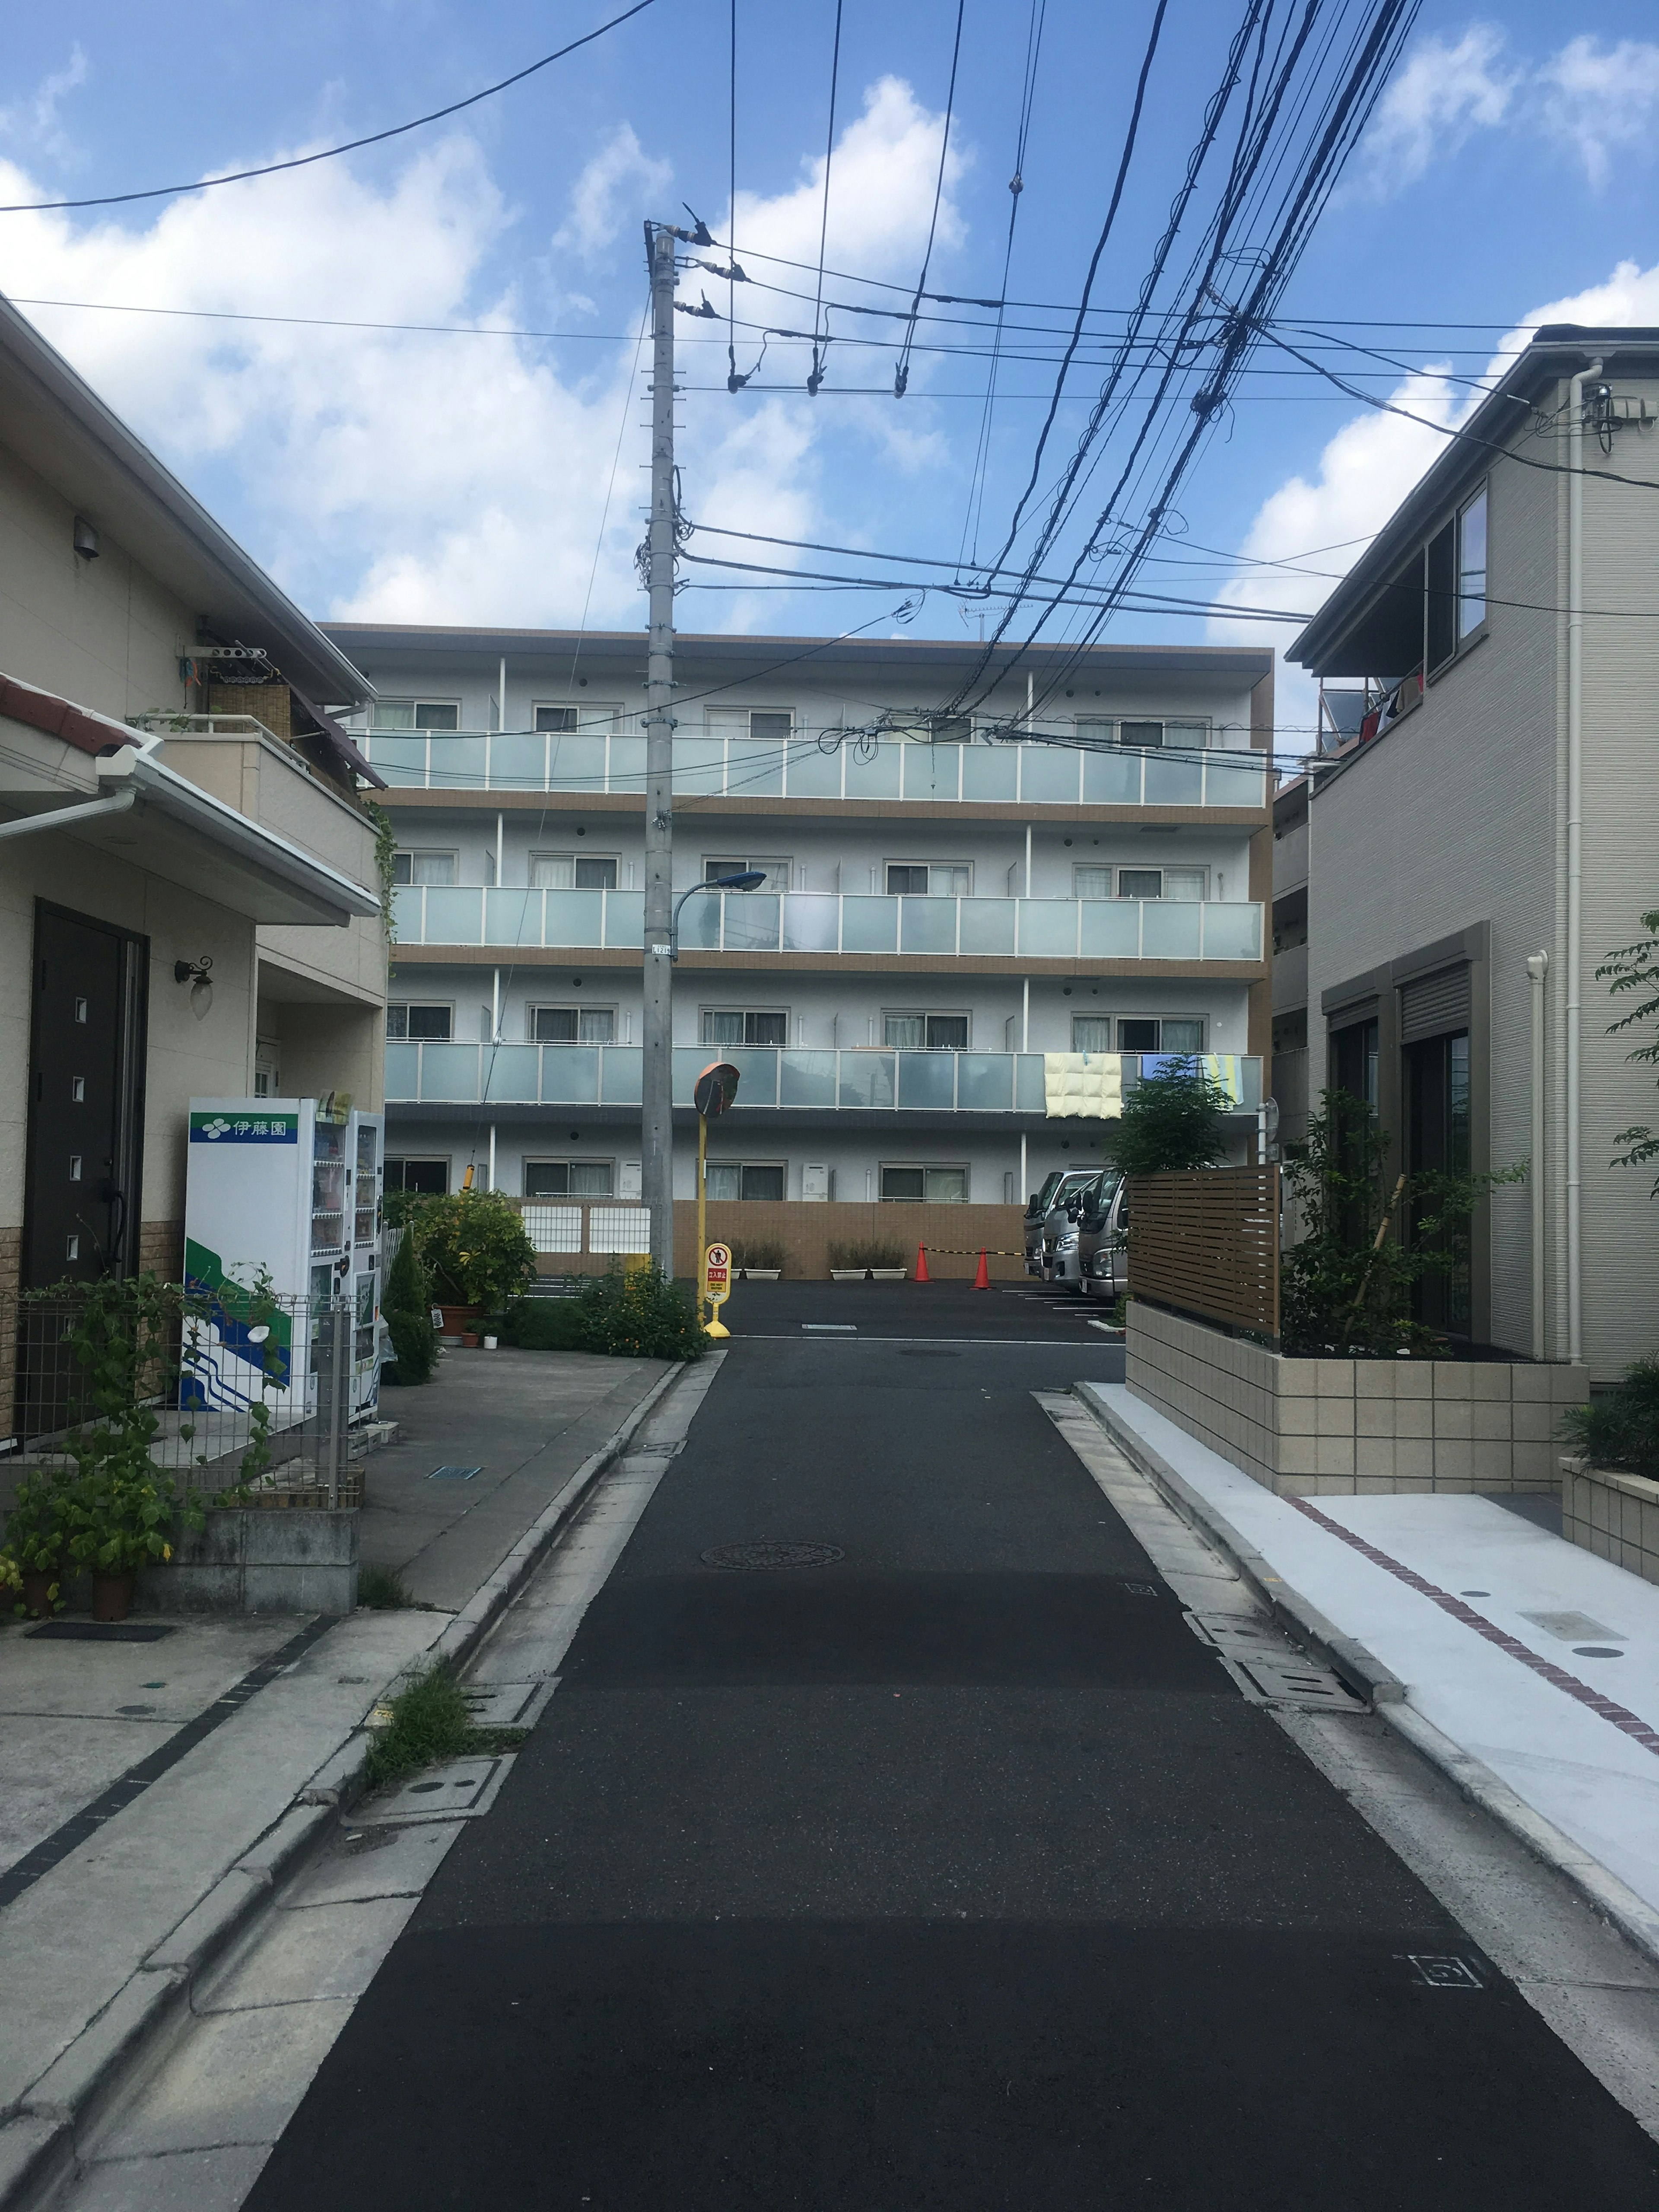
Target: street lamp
{"points": [[747, 879]]}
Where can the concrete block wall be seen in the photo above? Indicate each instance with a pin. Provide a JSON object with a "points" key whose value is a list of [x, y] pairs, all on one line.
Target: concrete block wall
{"points": [[1308, 1427], [256, 1559], [1615, 1515]]}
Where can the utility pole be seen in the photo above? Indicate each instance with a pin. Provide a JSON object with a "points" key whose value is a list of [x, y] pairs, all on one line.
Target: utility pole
{"points": [[656, 1074]]}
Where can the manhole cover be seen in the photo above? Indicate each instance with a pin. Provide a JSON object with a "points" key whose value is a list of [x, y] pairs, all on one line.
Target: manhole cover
{"points": [[772, 1555]]}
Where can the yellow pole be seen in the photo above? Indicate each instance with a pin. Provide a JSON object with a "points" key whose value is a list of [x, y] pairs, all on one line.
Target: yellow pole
{"points": [[703, 1210]]}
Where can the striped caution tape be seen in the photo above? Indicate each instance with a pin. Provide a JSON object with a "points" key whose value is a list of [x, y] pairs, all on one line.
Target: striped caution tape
{"points": [[973, 1251]]}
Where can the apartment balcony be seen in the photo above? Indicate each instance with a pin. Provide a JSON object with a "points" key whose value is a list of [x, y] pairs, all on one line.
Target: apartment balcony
{"points": [[1290, 979], [1291, 860], [709, 765], [851, 924], [869, 1079]]}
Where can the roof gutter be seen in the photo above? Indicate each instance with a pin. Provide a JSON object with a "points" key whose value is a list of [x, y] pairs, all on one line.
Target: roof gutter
{"points": [[70, 817]]}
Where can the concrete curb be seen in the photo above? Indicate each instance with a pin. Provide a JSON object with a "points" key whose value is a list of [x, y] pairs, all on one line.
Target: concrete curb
{"points": [[40, 2135], [1609, 1898]]}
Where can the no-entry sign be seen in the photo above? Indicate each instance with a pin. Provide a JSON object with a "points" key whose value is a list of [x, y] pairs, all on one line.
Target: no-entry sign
{"points": [[717, 1272]]}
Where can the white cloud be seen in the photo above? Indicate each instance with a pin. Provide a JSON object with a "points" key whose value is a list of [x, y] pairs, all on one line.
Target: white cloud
{"points": [[1587, 98], [32, 123], [620, 185]]}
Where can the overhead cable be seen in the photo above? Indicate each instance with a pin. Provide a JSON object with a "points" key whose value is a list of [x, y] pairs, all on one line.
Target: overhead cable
{"points": [[902, 373]]}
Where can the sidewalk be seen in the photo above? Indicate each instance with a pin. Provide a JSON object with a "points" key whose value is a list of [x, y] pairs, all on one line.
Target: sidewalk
{"points": [[155, 1780], [1525, 1667]]}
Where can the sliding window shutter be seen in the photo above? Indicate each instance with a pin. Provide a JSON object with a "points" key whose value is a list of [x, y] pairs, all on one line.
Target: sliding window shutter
{"points": [[1435, 1006]]}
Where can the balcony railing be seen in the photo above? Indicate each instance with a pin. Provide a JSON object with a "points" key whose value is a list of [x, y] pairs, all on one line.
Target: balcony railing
{"points": [[770, 1075], [834, 921], [709, 764]]}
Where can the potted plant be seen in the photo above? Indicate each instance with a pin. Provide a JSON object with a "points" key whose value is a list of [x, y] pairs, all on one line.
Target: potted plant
{"points": [[36, 1542], [867, 1260], [475, 1253], [756, 1259], [118, 1520]]}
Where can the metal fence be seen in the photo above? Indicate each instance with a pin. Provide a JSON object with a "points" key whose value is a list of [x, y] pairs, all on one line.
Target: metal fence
{"points": [[1207, 1242], [238, 1393]]}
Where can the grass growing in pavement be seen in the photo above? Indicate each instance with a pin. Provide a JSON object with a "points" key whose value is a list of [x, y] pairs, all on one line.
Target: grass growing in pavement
{"points": [[432, 1720], [382, 1588]]}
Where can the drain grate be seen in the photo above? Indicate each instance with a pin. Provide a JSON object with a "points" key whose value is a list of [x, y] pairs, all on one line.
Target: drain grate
{"points": [[772, 1555], [453, 1473], [1267, 1666]]}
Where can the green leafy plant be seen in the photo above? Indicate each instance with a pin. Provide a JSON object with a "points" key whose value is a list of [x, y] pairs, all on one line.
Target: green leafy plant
{"points": [[1172, 1119], [37, 1529], [1636, 967], [473, 1247], [631, 1313], [385, 847], [431, 1720], [544, 1325], [1622, 1432], [867, 1252], [407, 1305], [120, 1521]]}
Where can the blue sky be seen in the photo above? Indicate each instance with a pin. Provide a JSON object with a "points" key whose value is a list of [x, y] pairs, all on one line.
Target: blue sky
{"points": [[495, 479]]}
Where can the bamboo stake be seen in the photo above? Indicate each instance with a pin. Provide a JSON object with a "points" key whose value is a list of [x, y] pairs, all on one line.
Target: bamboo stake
{"points": [[1377, 1246]]}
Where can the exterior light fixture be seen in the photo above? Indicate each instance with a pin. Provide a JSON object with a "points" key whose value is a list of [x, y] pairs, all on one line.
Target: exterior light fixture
{"points": [[86, 538], [746, 879], [195, 973]]}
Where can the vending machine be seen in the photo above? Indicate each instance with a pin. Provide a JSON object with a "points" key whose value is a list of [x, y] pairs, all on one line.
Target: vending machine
{"points": [[284, 1193]]}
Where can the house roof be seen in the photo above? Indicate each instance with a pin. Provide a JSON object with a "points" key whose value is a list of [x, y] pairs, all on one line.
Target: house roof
{"points": [[61, 427], [1556, 350]]}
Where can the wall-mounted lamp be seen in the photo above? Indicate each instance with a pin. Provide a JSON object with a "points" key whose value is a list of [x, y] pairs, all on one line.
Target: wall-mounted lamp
{"points": [[86, 538], [195, 973]]}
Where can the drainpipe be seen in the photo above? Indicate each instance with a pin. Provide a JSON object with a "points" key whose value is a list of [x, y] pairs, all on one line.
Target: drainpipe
{"points": [[1576, 855], [490, 1184], [1025, 1016], [68, 817], [1027, 860], [500, 833], [1538, 969]]}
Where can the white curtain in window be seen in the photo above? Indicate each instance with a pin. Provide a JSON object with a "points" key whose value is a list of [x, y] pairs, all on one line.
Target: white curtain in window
{"points": [[904, 1032], [1183, 883], [552, 872], [1091, 882]]}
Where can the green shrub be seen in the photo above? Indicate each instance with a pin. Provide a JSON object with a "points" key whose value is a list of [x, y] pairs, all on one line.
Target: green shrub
{"points": [[635, 1312], [1623, 1430], [382, 1590], [544, 1325], [473, 1247], [867, 1252], [431, 1720], [755, 1251], [406, 1305], [1171, 1120]]}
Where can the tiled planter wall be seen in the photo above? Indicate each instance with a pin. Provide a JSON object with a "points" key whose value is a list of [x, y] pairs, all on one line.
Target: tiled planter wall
{"points": [[1306, 1426], [1615, 1515]]}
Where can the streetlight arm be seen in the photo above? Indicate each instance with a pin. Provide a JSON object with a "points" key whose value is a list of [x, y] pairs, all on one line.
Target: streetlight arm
{"points": [[746, 879]]}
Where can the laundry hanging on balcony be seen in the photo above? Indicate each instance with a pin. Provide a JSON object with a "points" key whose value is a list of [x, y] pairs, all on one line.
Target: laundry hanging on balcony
{"points": [[1081, 1086]]}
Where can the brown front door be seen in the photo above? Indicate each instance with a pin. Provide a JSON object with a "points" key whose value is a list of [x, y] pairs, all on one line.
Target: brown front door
{"points": [[86, 1100]]}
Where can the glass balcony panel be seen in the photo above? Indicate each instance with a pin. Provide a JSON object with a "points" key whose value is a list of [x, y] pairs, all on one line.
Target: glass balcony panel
{"points": [[454, 916], [757, 1071], [752, 920], [1111, 928], [989, 773], [699, 760], [689, 1061], [927, 1080], [1250, 1082], [513, 917], [700, 923], [1232, 930], [985, 1079], [1047, 928], [810, 921], [927, 925], [457, 763], [806, 1079], [574, 917], [931, 771], [511, 1074], [1030, 1092], [619, 1074], [627, 764], [449, 1071], [814, 773], [1174, 782], [867, 1078], [408, 925], [1049, 774], [755, 768], [517, 761], [1112, 778], [869, 925], [570, 1074], [400, 760], [574, 762], [402, 1071], [624, 919], [878, 778], [988, 924], [1233, 779], [1170, 928]]}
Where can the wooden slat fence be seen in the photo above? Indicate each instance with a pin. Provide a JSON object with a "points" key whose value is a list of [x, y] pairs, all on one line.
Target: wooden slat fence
{"points": [[1207, 1242]]}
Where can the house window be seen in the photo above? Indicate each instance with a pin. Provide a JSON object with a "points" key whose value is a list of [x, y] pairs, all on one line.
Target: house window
{"points": [[555, 718], [1091, 1033], [1165, 736], [729, 1179], [1161, 882], [776, 871], [925, 1032], [567, 1178], [1439, 605], [416, 715], [423, 864], [573, 1025], [950, 729], [410, 1019], [567, 872], [1354, 1054], [908, 1185], [1158, 1033], [1437, 1142], [429, 1177], [743, 1025], [1092, 882], [1472, 565], [929, 879]]}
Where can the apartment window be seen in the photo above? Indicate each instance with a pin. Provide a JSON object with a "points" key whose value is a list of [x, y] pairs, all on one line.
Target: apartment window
{"points": [[776, 871], [1165, 735], [925, 1032], [1091, 1033], [568, 1178], [416, 715], [1161, 882], [1472, 565], [1160, 1033], [410, 1019], [555, 718], [950, 729], [743, 1026], [774, 724], [423, 864], [930, 879], [570, 718], [1092, 882], [429, 1177], [729, 1179], [573, 1025], [568, 872], [906, 1184]]}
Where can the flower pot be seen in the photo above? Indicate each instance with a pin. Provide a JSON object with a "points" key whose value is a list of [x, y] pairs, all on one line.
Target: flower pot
{"points": [[37, 1595], [458, 1320], [111, 1596], [759, 1275], [469, 1340]]}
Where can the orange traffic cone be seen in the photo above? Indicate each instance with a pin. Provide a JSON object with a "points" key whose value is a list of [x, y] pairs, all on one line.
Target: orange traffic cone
{"points": [[922, 1274], [982, 1280]]}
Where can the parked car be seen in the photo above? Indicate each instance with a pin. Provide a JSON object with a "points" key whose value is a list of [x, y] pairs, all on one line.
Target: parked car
{"points": [[1102, 1245], [1045, 1217]]}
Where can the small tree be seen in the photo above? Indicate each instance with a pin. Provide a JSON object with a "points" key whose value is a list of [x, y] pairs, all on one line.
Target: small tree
{"points": [[473, 1247], [406, 1306], [1636, 967], [1172, 1119]]}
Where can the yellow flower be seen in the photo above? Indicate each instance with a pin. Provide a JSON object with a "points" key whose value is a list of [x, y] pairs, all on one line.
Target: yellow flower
{"points": [[167, 1551]]}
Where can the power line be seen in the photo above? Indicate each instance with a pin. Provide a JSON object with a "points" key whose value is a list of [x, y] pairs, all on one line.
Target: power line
{"points": [[329, 153], [816, 376], [902, 372]]}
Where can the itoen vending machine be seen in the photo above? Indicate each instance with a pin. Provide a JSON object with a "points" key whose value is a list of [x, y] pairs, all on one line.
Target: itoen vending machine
{"points": [[284, 1192]]}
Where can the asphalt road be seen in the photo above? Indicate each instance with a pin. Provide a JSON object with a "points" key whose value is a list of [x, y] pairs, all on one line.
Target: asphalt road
{"points": [[955, 1873]]}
